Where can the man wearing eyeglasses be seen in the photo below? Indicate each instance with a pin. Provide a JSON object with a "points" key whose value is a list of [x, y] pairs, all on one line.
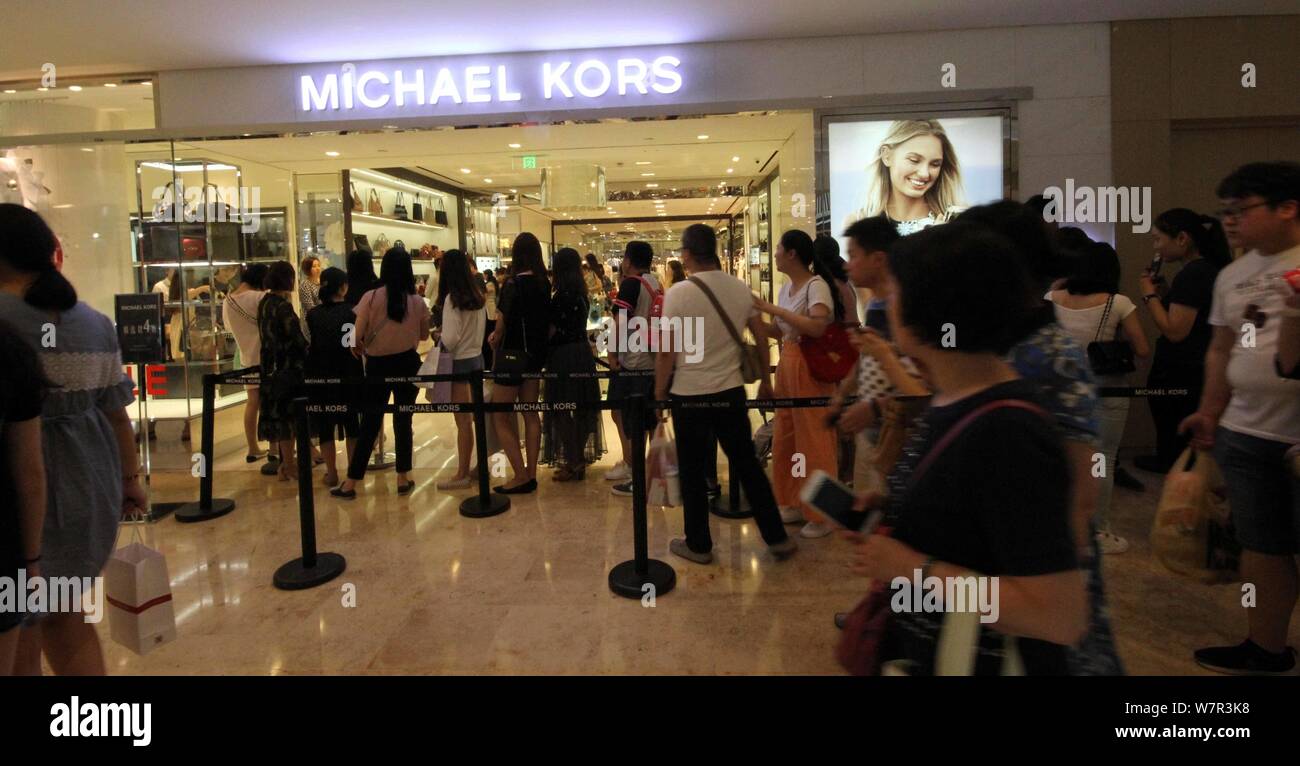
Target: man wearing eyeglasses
{"points": [[1250, 414]]}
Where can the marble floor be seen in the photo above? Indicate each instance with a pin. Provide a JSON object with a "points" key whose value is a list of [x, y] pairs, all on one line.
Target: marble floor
{"points": [[526, 592]]}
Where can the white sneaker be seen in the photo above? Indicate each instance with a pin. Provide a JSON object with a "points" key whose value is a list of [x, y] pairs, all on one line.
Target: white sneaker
{"points": [[461, 483], [620, 472], [1111, 543], [791, 516], [812, 530]]}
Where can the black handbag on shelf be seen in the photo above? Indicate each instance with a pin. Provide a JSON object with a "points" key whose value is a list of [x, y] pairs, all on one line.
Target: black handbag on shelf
{"points": [[1110, 357], [417, 210], [440, 214], [399, 209]]}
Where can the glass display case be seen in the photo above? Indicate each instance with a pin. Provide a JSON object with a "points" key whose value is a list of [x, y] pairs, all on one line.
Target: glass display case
{"points": [[194, 228]]}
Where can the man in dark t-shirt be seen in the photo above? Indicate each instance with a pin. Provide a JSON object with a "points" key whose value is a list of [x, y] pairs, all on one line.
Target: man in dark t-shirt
{"points": [[22, 485]]}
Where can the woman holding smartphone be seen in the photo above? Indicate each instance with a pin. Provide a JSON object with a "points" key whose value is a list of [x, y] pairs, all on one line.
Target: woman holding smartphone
{"points": [[983, 486], [1180, 311]]}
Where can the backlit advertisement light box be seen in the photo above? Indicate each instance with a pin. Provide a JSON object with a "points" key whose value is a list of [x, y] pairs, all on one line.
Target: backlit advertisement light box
{"points": [[951, 163]]}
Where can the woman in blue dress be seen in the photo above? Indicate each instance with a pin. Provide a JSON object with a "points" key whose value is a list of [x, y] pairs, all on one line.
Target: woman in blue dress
{"points": [[89, 448]]}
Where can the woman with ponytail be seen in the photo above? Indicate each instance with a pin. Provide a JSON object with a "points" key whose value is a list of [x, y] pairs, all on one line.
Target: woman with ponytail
{"points": [[89, 448], [809, 302], [1179, 312]]}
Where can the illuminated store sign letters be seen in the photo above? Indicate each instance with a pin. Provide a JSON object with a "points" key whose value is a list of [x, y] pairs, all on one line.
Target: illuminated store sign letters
{"points": [[481, 84]]}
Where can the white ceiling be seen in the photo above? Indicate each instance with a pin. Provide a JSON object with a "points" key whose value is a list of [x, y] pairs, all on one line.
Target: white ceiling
{"points": [[95, 37], [677, 156]]}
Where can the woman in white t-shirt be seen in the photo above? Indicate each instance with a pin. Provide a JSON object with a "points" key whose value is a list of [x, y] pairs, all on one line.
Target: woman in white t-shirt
{"points": [[1089, 308], [808, 303], [463, 323], [239, 315]]}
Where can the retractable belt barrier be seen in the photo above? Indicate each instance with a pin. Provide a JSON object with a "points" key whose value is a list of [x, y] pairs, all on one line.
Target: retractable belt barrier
{"points": [[633, 579]]}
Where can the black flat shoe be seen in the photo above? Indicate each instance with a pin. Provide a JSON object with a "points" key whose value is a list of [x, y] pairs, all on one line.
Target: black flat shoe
{"points": [[405, 489], [338, 491], [522, 489], [254, 458]]}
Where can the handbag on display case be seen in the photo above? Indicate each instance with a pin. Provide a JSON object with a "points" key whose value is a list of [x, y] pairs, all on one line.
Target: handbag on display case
{"points": [[357, 206], [381, 244], [440, 213], [399, 208], [417, 210], [374, 206]]}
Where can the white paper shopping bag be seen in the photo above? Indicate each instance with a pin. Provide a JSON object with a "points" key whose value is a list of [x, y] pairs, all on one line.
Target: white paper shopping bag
{"points": [[139, 595]]}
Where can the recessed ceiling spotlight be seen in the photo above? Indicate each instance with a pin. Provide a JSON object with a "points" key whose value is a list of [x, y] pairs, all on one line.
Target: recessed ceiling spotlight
{"points": [[514, 191], [643, 162], [466, 171], [87, 149], [110, 85], [487, 180], [731, 170], [10, 90], [147, 82], [652, 186], [647, 175], [735, 159], [515, 146], [42, 89], [703, 136], [331, 154], [74, 88]]}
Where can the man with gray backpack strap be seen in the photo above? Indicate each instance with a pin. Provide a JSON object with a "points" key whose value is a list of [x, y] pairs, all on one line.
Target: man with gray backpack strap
{"points": [[722, 306]]}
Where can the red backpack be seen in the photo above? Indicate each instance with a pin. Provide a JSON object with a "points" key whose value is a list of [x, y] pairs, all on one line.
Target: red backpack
{"points": [[656, 299]]}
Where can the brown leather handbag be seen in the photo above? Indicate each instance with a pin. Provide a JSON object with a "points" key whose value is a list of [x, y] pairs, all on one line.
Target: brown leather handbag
{"points": [[374, 206], [357, 205]]}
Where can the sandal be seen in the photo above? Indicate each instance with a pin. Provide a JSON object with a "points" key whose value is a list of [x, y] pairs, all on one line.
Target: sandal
{"points": [[331, 478], [563, 473]]}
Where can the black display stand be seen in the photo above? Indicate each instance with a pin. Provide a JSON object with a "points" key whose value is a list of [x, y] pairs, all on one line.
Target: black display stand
{"points": [[312, 568], [629, 578], [207, 508], [485, 503]]}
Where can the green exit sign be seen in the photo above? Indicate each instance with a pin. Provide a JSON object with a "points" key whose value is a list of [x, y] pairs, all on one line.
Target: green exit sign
{"points": [[530, 162]]}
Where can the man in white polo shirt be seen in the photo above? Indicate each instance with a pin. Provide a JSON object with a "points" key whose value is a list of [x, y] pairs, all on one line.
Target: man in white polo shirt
{"points": [[1249, 414], [708, 392]]}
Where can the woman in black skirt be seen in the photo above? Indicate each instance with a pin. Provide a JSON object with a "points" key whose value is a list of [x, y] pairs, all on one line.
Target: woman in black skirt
{"points": [[284, 352], [330, 356], [571, 439]]}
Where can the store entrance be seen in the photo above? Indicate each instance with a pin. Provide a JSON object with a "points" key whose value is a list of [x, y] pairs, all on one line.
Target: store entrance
{"points": [[591, 185]]}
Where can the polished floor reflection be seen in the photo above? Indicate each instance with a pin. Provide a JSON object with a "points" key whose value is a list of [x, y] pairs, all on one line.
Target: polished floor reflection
{"points": [[525, 592]]}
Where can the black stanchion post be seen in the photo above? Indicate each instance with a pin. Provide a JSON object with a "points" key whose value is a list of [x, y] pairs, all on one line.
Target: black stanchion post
{"points": [[485, 503], [207, 507], [630, 578], [313, 568]]}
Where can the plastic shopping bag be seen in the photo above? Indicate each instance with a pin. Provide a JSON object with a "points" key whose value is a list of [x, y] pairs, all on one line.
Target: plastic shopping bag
{"points": [[662, 484], [437, 362], [1192, 533], [139, 595]]}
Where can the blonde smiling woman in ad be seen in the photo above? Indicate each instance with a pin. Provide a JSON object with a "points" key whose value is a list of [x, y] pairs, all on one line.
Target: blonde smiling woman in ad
{"points": [[915, 177]]}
